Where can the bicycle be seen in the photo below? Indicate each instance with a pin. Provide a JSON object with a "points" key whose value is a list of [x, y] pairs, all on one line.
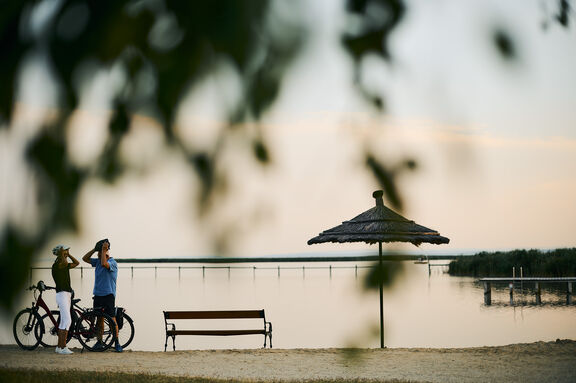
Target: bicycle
{"points": [[51, 320], [29, 327]]}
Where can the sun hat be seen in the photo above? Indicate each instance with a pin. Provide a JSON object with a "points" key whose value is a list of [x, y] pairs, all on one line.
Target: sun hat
{"points": [[56, 250]]}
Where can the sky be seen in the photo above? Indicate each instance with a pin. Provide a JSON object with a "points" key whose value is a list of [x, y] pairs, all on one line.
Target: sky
{"points": [[495, 141]]}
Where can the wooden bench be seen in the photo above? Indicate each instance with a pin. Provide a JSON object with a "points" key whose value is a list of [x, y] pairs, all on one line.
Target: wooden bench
{"points": [[266, 330]]}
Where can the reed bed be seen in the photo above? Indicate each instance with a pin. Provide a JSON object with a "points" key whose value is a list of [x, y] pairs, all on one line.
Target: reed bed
{"points": [[534, 263]]}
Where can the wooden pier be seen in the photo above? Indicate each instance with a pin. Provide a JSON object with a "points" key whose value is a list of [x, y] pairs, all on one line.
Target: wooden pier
{"points": [[538, 281]]}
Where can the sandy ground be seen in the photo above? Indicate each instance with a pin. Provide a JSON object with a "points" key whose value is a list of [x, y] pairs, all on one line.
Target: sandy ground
{"points": [[534, 362]]}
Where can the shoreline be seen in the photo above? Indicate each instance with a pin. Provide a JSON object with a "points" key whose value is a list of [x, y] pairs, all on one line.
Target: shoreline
{"points": [[528, 362]]}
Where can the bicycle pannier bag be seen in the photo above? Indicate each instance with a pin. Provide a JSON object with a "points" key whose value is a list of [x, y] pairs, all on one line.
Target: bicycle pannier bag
{"points": [[120, 317]]}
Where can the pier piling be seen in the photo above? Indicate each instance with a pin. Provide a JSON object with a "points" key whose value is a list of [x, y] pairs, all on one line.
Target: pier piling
{"points": [[487, 293], [538, 281], [511, 286]]}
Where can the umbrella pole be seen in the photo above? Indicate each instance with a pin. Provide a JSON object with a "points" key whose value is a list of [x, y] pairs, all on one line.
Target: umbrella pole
{"points": [[380, 282]]}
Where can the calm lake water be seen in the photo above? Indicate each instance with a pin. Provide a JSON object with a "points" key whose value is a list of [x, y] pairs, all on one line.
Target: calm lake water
{"points": [[313, 306]]}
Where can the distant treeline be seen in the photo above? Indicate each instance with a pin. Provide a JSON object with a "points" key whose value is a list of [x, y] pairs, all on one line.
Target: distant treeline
{"points": [[534, 263]]}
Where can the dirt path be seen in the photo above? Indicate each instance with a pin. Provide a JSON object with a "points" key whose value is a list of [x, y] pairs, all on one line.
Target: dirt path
{"points": [[535, 362]]}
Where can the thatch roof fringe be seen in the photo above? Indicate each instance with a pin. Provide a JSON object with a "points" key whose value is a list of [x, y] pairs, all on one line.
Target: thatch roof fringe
{"points": [[379, 224]]}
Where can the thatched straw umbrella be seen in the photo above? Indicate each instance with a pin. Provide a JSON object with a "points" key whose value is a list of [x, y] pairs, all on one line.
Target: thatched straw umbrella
{"points": [[378, 225]]}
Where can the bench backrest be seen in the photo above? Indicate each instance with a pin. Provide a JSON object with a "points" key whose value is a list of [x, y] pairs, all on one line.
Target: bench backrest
{"points": [[235, 314]]}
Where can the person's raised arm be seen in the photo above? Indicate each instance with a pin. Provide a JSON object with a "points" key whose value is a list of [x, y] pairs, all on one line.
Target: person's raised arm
{"points": [[86, 257], [103, 257], [74, 261]]}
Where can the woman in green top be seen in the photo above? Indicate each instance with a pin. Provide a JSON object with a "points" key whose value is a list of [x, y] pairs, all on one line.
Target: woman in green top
{"points": [[61, 274]]}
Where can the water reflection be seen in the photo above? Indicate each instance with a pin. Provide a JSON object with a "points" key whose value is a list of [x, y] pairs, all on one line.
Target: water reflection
{"points": [[324, 305]]}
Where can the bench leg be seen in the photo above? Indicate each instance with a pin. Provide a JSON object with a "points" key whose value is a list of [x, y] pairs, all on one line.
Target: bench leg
{"points": [[270, 335], [173, 342]]}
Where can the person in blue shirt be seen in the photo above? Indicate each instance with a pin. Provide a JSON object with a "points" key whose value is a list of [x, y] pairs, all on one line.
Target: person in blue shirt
{"points": [[106, 273]]}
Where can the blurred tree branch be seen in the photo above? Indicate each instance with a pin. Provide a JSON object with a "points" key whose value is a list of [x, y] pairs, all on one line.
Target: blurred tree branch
{"points": [[174, 43], [160, 51]]}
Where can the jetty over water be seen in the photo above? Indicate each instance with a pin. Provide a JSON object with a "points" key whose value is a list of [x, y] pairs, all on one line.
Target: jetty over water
{"points": [[538, 281], [291, 259]]}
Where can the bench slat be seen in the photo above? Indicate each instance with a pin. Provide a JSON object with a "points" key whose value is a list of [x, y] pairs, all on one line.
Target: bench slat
{"points": [[215, 332], [237, 314]]}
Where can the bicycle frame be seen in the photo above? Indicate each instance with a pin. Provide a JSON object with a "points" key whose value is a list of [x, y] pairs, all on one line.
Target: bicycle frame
{"points": [[76, 311], [40, 303]]}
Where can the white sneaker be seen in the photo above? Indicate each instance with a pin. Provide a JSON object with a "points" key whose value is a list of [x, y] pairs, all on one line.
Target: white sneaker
{"points": [[64, 351]]}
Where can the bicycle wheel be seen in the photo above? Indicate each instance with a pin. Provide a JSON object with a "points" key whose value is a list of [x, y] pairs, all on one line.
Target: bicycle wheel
{"points": [[23, 329], [126, 333], [48, 334], [95, 330]]}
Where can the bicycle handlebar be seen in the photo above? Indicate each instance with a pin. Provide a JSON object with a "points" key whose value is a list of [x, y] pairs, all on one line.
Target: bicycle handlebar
{"points": [[41, 286]]}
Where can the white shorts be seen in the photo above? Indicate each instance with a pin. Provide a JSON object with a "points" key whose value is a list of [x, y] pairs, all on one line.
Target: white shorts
{"points": [[63, 299]]}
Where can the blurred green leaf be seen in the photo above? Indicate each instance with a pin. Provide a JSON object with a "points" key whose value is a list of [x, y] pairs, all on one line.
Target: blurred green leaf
{"points": [[14, 263], [563, 12], [504, 44], [386, 179], [261, 152], [12, 50], [388, 273]]}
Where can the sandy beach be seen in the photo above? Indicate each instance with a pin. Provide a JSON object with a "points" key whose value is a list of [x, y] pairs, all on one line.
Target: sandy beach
{"points": [[534, 362]]}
